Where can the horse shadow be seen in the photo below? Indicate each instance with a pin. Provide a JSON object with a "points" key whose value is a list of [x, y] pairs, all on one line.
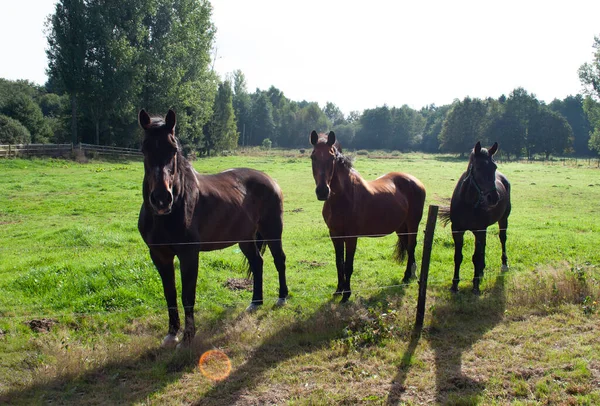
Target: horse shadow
{"points": [[317, 332], [456, 325], [135, 378]]}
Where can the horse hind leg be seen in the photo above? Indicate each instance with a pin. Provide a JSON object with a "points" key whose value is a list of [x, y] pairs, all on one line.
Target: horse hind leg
{"points": [[478, 259], [503, 225], [272, 236], [458, 237], [407, 242], [255, 261]]}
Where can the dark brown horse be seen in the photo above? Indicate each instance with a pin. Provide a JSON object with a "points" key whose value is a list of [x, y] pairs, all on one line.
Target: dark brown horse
{"points": [[480, 199], [184, 213], [354, 207]]}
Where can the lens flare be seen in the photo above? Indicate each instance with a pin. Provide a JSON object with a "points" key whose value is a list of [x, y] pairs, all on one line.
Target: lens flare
{"points": [[215, 365]]}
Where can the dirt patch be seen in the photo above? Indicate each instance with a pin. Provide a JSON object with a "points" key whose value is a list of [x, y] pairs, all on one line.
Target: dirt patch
{"points": [[239, 284], [298, 210], [313, 264], [41, 325]]}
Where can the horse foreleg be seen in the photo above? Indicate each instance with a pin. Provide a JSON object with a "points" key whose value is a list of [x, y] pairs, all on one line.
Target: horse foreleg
{"points": [[458, 237], [256, 266], [338, 245], [478, 259], [164, 264], [189, 277], [279, 259], [348, 267], [410, 240], [503, 224]]}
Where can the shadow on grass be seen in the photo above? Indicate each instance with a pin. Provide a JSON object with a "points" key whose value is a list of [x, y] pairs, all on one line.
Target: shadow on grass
{"points": [[312, 334], [125, 381], [456, 326], [136, 378]]}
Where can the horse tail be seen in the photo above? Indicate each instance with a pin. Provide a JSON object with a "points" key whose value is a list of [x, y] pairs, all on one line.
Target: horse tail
{"points": [[401, 248], [262, 246], [444, 215]]}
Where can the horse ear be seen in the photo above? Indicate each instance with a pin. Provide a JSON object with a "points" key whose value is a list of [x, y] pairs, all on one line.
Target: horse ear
{"points": [[170, 120], [331, 138], [314, 137], [144, 119], [477, 148], [493, 149]]}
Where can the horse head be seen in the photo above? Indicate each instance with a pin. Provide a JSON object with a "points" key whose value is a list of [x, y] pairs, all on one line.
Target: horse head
{"points": [[482, 173], [323, 162], [160, 149]]}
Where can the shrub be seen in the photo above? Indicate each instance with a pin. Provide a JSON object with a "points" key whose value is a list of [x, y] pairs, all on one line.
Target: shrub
{"points": [[266, 144], [13, 132], [362, 152]]}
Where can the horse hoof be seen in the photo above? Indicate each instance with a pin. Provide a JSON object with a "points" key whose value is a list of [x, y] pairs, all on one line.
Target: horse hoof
{"points": [[281, 302], [476, 292], [454, 289], [253, 307], [170, 341], [504, 268], [184, 345]]}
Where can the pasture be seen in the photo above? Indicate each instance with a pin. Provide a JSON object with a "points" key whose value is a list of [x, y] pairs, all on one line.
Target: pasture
{"points": [[71, 256]]}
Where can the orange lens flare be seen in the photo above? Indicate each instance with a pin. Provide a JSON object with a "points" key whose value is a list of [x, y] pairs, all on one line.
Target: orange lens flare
{"points": [[215, 365]]}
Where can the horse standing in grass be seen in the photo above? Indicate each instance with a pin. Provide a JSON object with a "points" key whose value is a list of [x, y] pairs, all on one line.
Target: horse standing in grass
{"points": [[354, 207], [184, 213], [480, 199]]}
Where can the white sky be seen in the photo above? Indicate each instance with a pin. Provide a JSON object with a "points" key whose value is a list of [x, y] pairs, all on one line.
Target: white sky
{"points": [[363, 54]]}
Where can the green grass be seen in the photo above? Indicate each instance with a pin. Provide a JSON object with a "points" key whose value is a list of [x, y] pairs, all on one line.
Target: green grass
{"points": [[70, 251]]}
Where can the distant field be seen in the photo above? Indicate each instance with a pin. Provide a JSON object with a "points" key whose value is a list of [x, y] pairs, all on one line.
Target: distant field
{"points": [[71, 252]]}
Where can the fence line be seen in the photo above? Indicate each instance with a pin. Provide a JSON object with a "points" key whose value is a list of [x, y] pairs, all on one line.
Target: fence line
{"points": [[317, 292], [27, 150]]}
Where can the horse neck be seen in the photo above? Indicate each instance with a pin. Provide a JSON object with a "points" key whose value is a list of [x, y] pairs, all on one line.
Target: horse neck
{"points": [[342, 184], [468, 193]]}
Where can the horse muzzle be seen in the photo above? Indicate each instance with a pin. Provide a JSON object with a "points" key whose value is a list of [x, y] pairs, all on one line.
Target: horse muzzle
{"points": [[322, 192], [492, 198], [161, 203]]}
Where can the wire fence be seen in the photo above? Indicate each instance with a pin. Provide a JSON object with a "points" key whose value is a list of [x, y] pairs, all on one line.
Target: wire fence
{"points": [[315, 292]]}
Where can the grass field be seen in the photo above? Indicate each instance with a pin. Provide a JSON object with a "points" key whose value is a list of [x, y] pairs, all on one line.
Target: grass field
{"points": [[71, 256]]}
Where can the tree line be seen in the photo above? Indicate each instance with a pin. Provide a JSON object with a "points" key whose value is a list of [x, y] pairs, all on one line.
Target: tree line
{"points": [[107, 59]]}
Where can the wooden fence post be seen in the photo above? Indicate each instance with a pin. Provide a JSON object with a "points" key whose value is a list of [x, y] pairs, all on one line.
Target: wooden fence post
{"points": [[427, 245]]}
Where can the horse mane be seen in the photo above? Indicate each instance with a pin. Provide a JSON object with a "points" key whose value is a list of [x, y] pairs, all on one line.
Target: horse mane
{"points": [[340, 158]]}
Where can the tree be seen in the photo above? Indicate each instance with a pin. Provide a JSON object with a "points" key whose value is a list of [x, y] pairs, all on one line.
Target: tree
{"points": [[464, 126], [12, 131], [242, 105], [571, 108], [589, 72], [67, 51], [175, 56], [520, 108], [376, 128], [334, 114], [221, 131], [434, 119], [549, 133], [592, 111], [263, 125], [22, 108]]}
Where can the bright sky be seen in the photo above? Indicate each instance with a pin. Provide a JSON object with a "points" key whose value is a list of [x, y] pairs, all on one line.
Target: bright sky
{"points": [[363, 54]]}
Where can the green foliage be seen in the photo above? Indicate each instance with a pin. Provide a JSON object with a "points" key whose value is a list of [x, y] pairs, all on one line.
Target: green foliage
{"points": [[13, 132], [571, 108], [24, 109], [221, 131], [592, 111], [266, 144], [549, 133], [589, 72], [112, 58], [463, 126]]}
